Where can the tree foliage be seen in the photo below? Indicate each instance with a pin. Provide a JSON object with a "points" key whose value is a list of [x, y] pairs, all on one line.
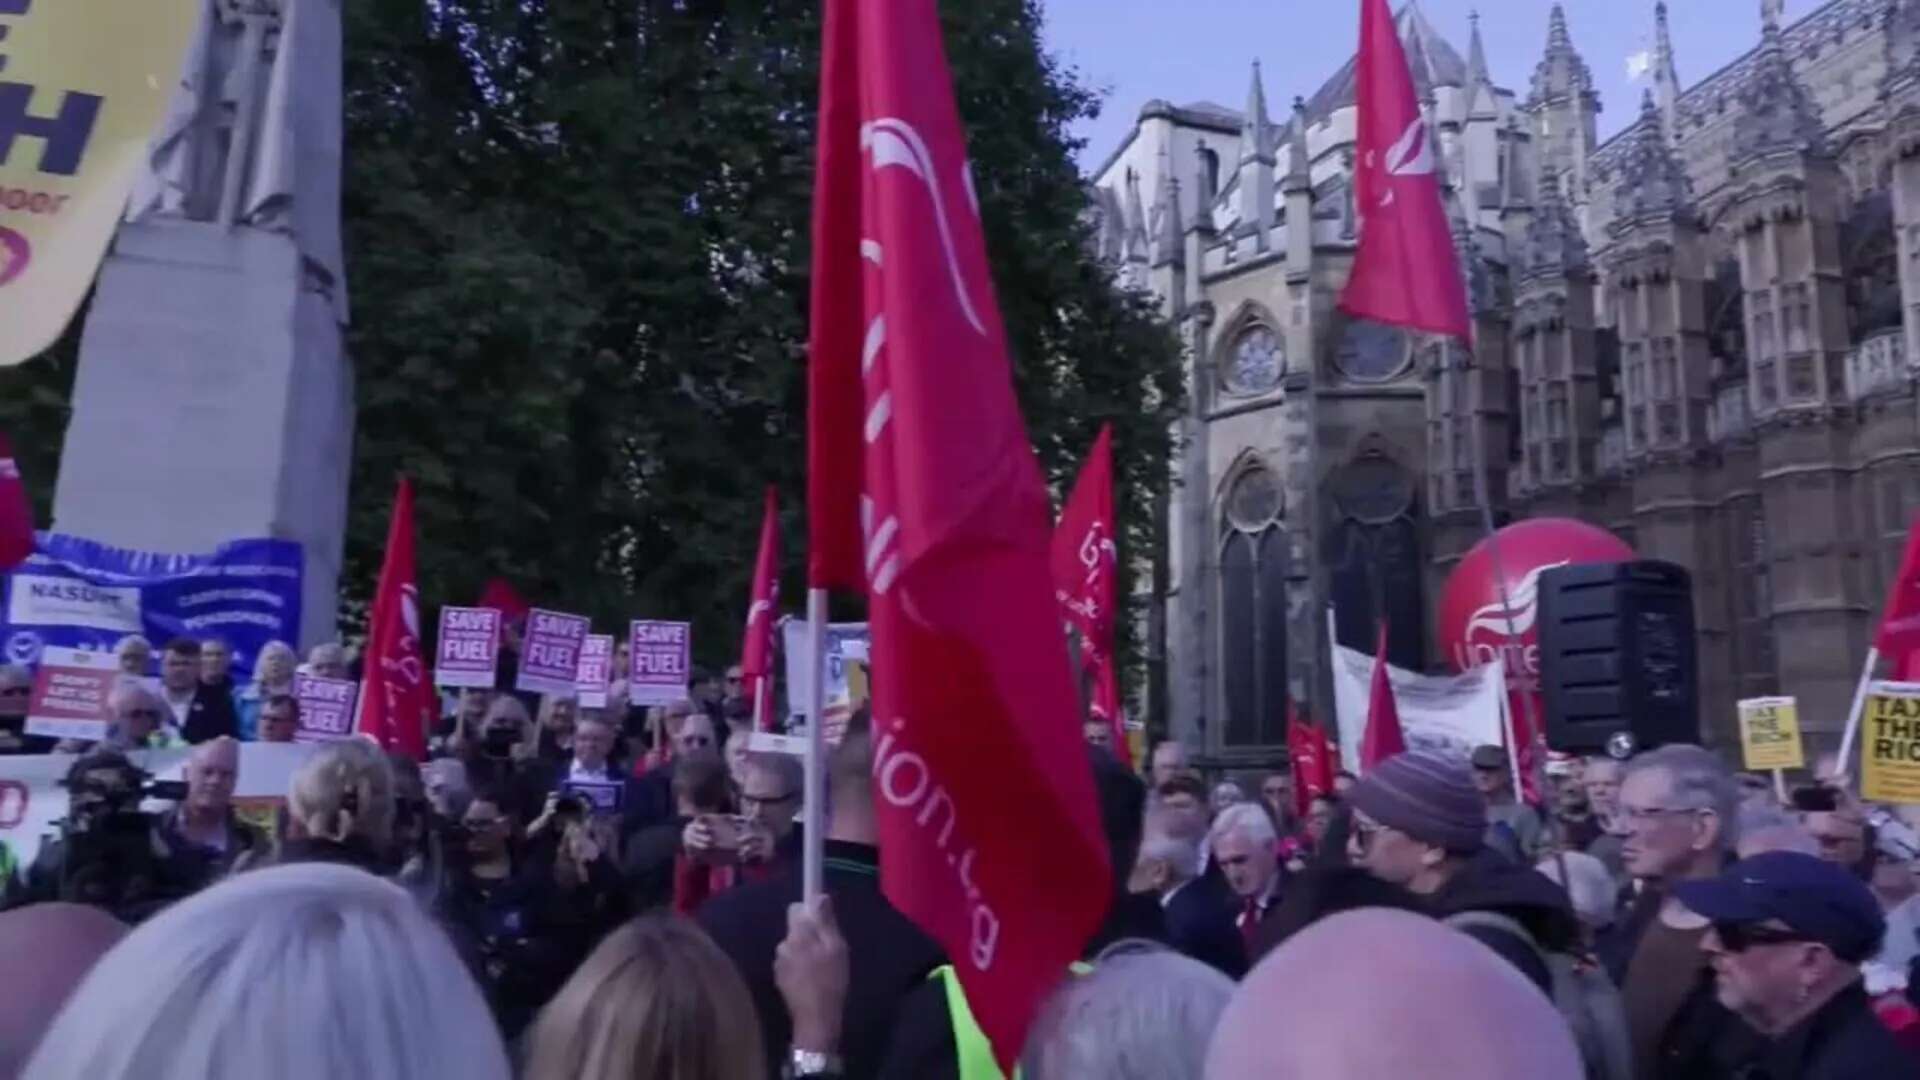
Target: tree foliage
{"points": [[578, 245]]}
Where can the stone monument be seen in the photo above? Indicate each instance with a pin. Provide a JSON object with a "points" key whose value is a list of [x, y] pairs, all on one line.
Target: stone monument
{"points": [[213, 400]]}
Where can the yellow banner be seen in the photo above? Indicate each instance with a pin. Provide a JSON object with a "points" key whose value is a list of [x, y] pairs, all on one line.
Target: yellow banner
{"points": [[1770, 733], [83, 84], [1890, 743]]}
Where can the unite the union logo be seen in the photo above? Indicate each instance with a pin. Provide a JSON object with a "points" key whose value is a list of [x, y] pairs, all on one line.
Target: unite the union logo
{"points": [[15, 254]]}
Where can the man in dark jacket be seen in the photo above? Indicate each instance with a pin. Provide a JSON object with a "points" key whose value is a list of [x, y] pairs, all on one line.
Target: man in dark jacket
{"points": [[1198, 908], [199, 712], [1419, 822]]}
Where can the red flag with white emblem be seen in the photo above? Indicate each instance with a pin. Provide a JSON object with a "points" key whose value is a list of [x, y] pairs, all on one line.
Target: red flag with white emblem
{"points": [[923, 487], [395, 700], [1406, 272], [1085, 564], [16, 513], [756, 654]]}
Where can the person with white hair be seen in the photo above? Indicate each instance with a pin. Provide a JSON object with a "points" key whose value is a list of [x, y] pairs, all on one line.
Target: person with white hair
{"points": [[1768, 826], [134, 654], [272, 677], [308, 972], [340, 807], [1196, 906], [1246, 848], [1140, 1015], [137, 719], [328, 660]]}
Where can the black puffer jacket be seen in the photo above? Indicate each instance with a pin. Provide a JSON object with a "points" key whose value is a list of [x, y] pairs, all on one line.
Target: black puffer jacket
{"points": [[1489, 882]]}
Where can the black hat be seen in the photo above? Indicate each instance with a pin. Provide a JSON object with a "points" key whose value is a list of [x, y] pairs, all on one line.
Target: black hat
{"points": [[1489, 757]]}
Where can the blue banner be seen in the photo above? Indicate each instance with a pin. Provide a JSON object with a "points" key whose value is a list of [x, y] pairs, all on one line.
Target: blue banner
{"points": [[81, 594]]}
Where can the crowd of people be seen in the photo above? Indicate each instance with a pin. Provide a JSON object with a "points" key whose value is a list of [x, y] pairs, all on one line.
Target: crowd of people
{"points": [[598, 893]]}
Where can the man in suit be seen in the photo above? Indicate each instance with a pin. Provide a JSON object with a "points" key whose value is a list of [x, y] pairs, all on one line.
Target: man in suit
{"points": [[1247, 850], [1198, 908], [199, 712], [593, 778]]}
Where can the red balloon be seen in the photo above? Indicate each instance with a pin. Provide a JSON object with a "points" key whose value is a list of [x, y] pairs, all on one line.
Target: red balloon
{"points": [[1473, 624]]}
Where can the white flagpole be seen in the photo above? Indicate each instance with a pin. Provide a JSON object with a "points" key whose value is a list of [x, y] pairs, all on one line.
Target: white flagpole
{"points": [[760, 702], [1853, 714], [813, 808]]}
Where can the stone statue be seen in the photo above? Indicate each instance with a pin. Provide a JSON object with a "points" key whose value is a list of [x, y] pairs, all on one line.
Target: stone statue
{"points": [[1770, 13], [252, 136]]}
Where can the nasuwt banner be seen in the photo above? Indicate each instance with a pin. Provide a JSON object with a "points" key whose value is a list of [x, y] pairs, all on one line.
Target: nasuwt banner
{"points": [[1890, 743], [85, 595], [1448, 713], [82, 87]]}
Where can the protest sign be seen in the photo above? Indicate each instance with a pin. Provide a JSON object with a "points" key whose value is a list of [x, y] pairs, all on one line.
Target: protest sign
{"points": [[1890, 743], [550, 656], [32, 797], [326, 707], [845, 647], [602, 797], [468, 650], [1447, 713], [660, 658], [69, 698], [596, 670], [84, 595], [87, 85], [1770, 733]]}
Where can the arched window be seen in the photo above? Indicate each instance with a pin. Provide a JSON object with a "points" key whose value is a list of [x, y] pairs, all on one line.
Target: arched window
{"points": [[1373, 551], [1253, 610], [1210, 165], [1255, 360]]}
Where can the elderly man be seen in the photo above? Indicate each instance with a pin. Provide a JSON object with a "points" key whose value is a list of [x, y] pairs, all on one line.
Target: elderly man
{"points": [[134, 655], [137, 719], [769, 802], [204, 835], [1198, 908], [1787, 935], [1493, 775], [328, 660], [200, 712], [1842, 836], [1245, 847], [1137, 1016], [280, 718], [1601, 779]]}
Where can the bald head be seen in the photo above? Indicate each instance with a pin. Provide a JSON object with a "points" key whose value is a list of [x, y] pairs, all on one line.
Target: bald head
{"points": [[1437, 1003], [211, 773], [49, 949]]}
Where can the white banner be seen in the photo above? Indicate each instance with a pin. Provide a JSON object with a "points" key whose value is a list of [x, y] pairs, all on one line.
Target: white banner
{"points": [[32, 798], [1448, 713]]}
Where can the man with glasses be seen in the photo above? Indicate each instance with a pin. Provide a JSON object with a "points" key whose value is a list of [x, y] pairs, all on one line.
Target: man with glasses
{"points": [[769, 804], [1785, 938], [1678, 809], [138, 720]]}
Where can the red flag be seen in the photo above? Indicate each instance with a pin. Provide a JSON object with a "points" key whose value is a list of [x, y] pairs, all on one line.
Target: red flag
{"points": [[1899, 636], [756, 654], [1085, 565], [500, 595], [1384, 737], [16, 513], [395, 700], [1311, 753], [1406, 272], [924, 486]]}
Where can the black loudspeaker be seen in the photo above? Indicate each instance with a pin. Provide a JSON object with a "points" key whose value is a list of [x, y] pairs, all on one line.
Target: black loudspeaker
{"points": [[1617, 654]]}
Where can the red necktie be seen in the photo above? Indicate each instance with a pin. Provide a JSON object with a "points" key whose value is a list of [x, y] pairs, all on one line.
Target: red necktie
{"points": [[1249, 923]]}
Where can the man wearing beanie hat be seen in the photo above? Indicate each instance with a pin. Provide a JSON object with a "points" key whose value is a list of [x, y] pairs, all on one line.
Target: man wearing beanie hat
{"points": [[1420, 823]]}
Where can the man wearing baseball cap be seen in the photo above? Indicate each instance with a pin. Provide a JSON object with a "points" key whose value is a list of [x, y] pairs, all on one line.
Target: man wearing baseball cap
{"points": [[1789, 932], [1493, 775]]}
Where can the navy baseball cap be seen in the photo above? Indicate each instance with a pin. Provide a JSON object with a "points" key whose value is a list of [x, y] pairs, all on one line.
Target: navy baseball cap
{"points": [[1811, 896]]}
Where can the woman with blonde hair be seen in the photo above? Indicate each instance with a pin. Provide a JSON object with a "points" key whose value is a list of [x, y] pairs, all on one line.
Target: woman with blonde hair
{"points": [[272, 676], [307, 972], [340, 807], [656, 999]]}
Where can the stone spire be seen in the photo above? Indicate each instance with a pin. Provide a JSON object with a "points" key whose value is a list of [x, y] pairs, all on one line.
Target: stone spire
{"points": [[1256, 165], [1666, 79], [1256, 132], [1775, 114], [1299, 163], [1652, 181], [1135, 247], [1554, 241], [1170, 236], [1466, 248], [1480, 103], [1561, 72]]}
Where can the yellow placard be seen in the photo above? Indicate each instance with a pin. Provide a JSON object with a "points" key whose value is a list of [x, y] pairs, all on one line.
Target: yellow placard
{"points": [[1770, 733], [83, 84], [1890, 743]]}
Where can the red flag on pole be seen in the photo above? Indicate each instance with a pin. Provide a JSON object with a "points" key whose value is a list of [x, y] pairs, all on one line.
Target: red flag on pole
{"points": [[756, 654], [1085, 565], [1899, 636], [395, 700], [16, 513], [500, 595], [1406, 272], [1311, 754], [924, 488], [1383, 738]]}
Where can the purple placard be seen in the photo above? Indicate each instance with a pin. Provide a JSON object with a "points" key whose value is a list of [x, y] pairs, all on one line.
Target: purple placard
{"points": [[550, 657], [468, 652], [326, 707], [596, 670], [661, 661]]}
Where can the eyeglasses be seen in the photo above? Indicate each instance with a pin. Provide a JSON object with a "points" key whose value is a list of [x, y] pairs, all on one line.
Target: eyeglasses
{"points": [[1739, 937], [1647, 815], [754, 802]]}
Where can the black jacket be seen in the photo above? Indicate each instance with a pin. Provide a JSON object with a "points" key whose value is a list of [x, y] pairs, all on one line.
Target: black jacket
{"points": [[1843, 1041], [1489, 882], [210, 716], [1200, 924], [888, 954], [1703, 1041]]}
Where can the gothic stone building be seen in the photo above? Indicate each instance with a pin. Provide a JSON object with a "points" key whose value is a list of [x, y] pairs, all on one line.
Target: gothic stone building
{"points": [[1702, 333]]}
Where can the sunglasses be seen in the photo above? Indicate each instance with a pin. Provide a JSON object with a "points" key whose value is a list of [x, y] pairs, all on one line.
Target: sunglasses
{"points": [[1738, 937]]}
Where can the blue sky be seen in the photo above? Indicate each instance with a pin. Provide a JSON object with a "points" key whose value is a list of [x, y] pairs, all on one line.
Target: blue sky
{"points": [[1189, 50]]}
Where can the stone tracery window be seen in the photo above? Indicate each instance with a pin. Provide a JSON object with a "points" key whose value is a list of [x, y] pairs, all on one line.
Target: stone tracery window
{"points": [[1255, 361], [1254, 560]]}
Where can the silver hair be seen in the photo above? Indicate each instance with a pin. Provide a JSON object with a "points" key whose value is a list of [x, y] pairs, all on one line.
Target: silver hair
{"points": [[785, 766], [1138, 1016], [245, 978], [1700, 780], [130, 642], [1181, 853], [1248, 818], [1766, 827], [327, 652], [130, 691]]}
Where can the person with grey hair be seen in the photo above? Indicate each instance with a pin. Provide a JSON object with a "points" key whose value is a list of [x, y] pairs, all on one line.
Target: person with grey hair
{"points": [[1768, 827], [448, 790], [1140, 1015], [1679, 816], [1196, 906], [137, 719], [1246, 848], [328, 660], [134, 654]]}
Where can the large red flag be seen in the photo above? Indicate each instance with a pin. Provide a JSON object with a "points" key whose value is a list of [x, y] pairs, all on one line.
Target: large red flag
{"points": [[1406, 272], [16, 513], [1311, 753], [756, 653], [395, 700], [1383, 737], [1899, 636], [924, 487], [1085, 565]]}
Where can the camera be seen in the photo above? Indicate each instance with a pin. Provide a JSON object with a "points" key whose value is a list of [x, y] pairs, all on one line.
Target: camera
{"points": [[1816, 799], [498, 740]]}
